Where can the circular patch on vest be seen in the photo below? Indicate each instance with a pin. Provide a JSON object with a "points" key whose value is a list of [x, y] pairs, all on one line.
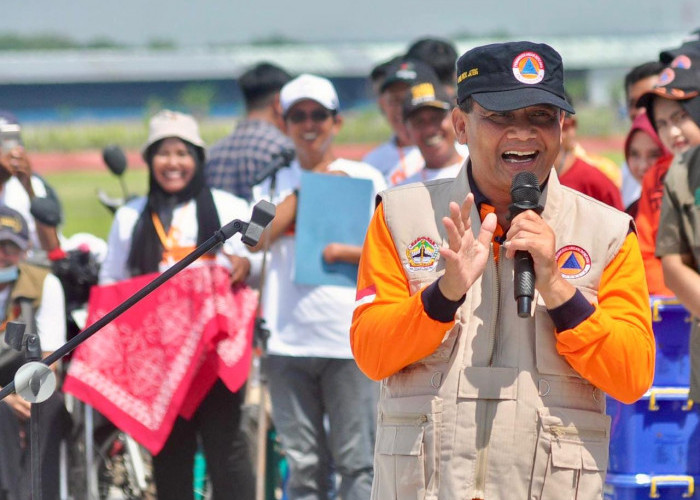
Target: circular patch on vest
{"points": [[573, 262], [528, 67], [422, 254]]}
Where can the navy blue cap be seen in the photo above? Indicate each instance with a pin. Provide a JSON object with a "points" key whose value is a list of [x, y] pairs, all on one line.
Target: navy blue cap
{"points": [[512, 75], [407, 71], [13, 227]]}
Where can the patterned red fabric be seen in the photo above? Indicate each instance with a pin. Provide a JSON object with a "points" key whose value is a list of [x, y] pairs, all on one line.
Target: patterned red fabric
{"points": [[160, 358]]}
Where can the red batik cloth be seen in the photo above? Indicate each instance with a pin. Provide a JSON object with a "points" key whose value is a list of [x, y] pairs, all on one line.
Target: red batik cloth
{"points": [[160, 358]]}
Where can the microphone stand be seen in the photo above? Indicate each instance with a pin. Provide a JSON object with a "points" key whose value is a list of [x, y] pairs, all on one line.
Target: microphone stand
{"points": [[260, 336], [34, 380]]}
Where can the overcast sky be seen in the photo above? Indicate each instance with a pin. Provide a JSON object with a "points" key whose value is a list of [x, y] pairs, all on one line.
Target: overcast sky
{"points": [[198, 22]]}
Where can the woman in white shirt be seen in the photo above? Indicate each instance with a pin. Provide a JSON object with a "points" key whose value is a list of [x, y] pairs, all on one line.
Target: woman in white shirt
{"points": [[149, 235]]}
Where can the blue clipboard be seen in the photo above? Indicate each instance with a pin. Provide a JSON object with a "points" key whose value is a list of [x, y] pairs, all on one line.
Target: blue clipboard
{"points": [[331, 208]]}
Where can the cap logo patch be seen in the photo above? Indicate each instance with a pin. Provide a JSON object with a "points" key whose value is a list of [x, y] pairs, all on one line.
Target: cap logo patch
{"points": [[666, 77], [573, 262], [12, 223], [422, 254], [468, 74], [528, 68], [682, 62], [422, 92]]}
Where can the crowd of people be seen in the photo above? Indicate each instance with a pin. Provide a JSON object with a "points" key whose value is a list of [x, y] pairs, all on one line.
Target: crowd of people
{"points": [[423, 380]]}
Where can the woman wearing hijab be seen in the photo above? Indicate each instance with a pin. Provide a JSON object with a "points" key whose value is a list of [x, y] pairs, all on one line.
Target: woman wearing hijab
{"points": [[643, 149], [150, 234]]}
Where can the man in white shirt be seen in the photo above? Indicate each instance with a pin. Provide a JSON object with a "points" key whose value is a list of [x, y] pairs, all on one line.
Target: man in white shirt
{"points": [[311, 370]]}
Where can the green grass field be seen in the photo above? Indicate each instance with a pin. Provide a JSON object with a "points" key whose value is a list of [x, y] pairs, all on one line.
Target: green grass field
{"points": [[78, 193]]}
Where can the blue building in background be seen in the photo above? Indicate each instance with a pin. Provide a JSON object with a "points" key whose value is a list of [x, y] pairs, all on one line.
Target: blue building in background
{"points": [[126, 84]]}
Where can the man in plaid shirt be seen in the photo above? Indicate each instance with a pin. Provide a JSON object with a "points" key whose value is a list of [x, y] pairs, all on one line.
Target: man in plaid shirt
{"points": [[233, 161]]}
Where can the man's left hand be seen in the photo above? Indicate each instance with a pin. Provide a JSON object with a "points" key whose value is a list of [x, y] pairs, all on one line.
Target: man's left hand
{"points": [[529, 232]]}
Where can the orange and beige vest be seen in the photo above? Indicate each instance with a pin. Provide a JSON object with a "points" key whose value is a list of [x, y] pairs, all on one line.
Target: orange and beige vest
{"points": [[495, 412]]}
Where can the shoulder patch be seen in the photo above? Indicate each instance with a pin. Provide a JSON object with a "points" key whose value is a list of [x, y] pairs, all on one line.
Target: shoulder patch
{"points": [[422, 254], [573, 262]]}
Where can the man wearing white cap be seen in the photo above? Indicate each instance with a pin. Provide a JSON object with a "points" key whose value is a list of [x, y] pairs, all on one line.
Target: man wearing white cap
{"points": [[311, 371]]}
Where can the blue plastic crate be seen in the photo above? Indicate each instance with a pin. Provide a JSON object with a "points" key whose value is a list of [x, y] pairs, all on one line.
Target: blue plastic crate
{"points": [[659, 434], [643, 486], [671, 323]]}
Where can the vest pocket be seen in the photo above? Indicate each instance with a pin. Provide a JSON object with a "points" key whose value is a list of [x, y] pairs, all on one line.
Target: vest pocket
{"points": [[571, 455], [407, 450]]}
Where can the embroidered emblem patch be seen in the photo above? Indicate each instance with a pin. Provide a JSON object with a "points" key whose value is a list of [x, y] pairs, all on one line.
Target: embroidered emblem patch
{"points": [[573, 262], [681, 61], [422, 254], [528, 67], [666, 77]]}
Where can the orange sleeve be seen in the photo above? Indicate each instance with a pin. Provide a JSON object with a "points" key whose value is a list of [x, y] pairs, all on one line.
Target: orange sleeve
{"points": [[614, 348], [390, 328]]}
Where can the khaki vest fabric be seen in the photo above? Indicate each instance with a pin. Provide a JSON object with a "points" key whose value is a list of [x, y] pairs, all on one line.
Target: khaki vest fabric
{"points": [[495, 412], [679, 233], [29, 285]]}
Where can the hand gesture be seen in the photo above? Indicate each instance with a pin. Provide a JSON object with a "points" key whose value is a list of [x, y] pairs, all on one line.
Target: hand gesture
{"points": [[466, 255]]}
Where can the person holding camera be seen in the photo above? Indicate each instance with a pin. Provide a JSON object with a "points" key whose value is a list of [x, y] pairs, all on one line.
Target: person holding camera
{"points": [[22, 190]]}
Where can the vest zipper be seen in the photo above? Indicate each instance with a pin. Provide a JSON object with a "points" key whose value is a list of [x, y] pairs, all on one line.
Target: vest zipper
{"points": [[486, 408]]}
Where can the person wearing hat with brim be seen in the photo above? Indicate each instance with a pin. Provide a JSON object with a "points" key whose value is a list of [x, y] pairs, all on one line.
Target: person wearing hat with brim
{"points": [[482, 399], [312, 376], [26, 289], [675, 106], [426, 112], [150, 234]]}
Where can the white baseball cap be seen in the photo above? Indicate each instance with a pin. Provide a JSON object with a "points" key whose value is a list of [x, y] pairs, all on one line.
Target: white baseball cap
{"points": [[310, 87]]}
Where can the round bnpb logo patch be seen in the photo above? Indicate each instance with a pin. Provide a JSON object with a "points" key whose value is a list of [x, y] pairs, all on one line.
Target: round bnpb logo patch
{"points": [[528, 68], [573, 262]]}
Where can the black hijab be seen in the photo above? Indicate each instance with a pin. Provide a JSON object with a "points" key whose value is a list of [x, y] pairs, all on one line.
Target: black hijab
{"points": [[146, 249]]}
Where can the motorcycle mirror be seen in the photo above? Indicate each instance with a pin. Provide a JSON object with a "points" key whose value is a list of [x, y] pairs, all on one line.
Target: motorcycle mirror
{"points": [[115, 159]]}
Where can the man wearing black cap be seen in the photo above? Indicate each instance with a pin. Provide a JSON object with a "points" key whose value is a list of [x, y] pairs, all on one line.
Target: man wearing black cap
{"points": [[398, 158], [426, 112], [30, 294], [480, 399]]}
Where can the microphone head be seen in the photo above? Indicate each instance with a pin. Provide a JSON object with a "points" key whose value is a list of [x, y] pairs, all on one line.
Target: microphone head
{"points": [[115, 159], [524, 193]]}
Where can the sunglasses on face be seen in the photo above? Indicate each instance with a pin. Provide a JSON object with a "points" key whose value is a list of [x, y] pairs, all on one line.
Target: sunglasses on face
{"points": [[317, 116]]}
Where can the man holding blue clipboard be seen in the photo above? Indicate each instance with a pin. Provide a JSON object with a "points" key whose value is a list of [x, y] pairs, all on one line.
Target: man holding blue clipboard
{"points": [[311, 370]]}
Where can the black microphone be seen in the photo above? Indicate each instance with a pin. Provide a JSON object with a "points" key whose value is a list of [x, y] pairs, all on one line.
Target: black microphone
{"points": [[525, 195], [279, 160], [115, 159]]}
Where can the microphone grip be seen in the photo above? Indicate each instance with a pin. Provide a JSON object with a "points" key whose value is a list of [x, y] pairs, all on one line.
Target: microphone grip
{"points": [[524, 282]]}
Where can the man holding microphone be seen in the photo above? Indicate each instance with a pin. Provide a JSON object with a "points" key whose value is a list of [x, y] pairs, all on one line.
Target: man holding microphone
{"points": [[478, 401]]}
